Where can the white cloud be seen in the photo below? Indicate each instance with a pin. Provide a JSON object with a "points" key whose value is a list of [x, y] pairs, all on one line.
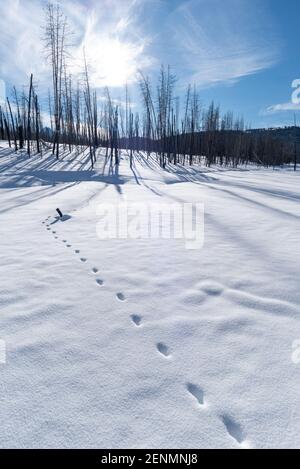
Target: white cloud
{"points": [[108, 29], [114, 51], [208, 41], [114, 43], [2, 92], [20, 45], [275, 108], [221, 42]]}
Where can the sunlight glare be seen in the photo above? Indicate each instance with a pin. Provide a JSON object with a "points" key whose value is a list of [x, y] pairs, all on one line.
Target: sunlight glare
{"points": [[112, 62]]}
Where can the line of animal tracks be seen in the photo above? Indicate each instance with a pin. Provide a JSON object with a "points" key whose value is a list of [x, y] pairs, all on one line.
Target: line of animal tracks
{"points": [[195, 392]]}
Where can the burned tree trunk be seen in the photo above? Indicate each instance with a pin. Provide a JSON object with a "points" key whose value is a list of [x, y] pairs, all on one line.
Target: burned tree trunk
{"points": [[29, 116], [13, 126]]}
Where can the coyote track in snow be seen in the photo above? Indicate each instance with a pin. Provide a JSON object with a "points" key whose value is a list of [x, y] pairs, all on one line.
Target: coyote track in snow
{"points": [[163, 349], [136, 319], [234, 429], [94, 270], [196, 392], [120, 296]]}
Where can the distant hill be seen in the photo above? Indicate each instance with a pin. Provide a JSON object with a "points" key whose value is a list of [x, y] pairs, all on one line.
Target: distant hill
{"points": [[287, 134]]}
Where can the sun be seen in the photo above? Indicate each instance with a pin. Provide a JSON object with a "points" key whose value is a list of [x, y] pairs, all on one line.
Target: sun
{"points": [[113, 50], [112, 61], [115, 62]]}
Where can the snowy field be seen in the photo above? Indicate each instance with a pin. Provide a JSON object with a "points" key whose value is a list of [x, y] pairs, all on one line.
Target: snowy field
{"points": [[145, 344]]}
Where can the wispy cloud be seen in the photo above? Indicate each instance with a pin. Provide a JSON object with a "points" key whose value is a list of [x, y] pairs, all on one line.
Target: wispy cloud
{"points": [[2, 91], [20, 45], [209, 41], [108, 30], [284, 107], [114, 43], [221, 42]]}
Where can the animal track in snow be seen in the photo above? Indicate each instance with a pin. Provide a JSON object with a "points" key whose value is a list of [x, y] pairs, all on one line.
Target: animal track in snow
{"points": [[163, 349], [95, 270], [77, 251], [83, 259], [136, 319], [234, 429], [100, 282], [196, 392], [120, 296]]}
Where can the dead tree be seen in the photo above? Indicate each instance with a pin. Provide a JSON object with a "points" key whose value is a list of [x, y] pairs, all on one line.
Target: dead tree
{"points": [[1, 125], [19, 120], [29, 116], [150, 113], [37, 124], [13, 126], [56, 36]]}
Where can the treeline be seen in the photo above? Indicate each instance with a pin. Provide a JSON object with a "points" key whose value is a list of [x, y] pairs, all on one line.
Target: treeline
{"points": [[178, 133], [20, 121]]}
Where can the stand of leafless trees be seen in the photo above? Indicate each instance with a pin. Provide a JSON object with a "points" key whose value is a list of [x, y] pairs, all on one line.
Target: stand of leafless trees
{"points": [[79, 119], [20, 121]]}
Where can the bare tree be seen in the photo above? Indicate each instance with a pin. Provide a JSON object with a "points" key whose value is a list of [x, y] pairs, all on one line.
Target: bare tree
{"points": [[29, 116], [56, 36]]}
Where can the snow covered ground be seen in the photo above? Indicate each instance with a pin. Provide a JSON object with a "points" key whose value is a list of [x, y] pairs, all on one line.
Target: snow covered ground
{"points": [[142, 343]]}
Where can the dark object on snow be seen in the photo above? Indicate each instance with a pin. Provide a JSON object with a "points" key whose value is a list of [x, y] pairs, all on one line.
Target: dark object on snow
{"points": [[59, 213]]}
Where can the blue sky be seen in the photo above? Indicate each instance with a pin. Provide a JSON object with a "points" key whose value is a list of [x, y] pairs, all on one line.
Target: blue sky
{"points": [[240, 53]]}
